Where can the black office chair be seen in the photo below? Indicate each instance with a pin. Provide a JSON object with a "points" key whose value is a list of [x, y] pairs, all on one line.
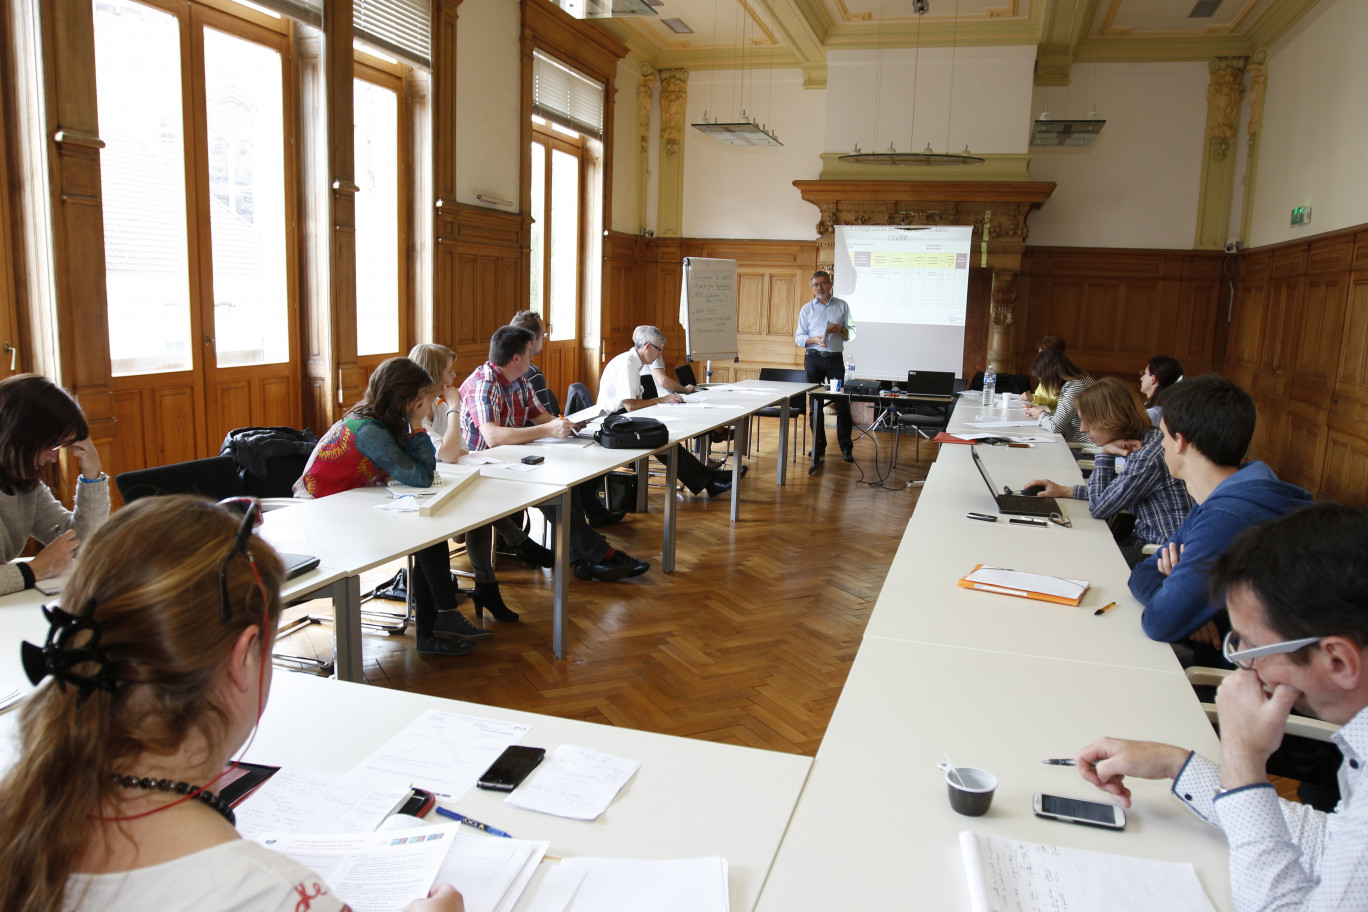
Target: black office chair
{"points": [[577, 398], [1006, 383], [216, 478], [797, 404], [685, 375]]}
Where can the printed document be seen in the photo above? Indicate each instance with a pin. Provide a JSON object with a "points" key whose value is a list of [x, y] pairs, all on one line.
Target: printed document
{"points": [[574, 782], [443, 752]]}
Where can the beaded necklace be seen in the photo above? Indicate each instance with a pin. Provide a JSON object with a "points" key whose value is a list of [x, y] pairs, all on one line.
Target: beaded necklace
{"points": [[202, 795]]}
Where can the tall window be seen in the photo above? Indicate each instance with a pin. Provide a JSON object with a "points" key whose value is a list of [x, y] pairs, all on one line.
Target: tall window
{"points": [[557, 192], [196, 235], [567, 124], [378, 215]]}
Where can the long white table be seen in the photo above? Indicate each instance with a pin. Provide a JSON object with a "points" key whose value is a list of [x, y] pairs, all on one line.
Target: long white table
{"points": [[874, 830], [997, 682], [690, 798], [349, 536]]}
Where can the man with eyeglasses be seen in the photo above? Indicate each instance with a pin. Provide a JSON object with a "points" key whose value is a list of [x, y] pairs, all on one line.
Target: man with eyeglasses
{"points": [[620, 388], [824, 327], [1297, 593]]}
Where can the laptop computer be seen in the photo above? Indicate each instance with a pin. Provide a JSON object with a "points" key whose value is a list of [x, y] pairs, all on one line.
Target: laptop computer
{"points": [[1010, 504], [296, 564], [931, 383]]}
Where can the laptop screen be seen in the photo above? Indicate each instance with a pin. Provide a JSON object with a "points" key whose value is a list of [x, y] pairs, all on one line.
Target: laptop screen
{"points": [[983, 470], [935, 383]]}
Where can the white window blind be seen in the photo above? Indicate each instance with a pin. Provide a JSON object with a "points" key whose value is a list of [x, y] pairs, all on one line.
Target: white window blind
{"points": [[399, 27], [567, 97], [306, 11]]}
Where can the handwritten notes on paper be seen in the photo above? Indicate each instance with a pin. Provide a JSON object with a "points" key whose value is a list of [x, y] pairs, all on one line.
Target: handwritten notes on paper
{"points": [[707, 308], [1010, 876], [443, 752], [574, 782]]}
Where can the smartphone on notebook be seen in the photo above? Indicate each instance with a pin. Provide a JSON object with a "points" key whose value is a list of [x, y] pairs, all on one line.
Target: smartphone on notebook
{"points": [[513, 766], [417, 804], [1076, 810]]}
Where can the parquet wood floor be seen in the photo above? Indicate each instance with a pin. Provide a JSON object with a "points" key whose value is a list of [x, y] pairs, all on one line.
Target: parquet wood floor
{"points": [[748, 642]]}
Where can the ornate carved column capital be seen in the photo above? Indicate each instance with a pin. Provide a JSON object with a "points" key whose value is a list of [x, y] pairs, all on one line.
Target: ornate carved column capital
{"points": [[644, 91], [1223, 102], [673, 94]]}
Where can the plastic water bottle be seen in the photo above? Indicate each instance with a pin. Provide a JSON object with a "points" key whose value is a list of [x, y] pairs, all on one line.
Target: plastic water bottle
{"points": [[849, 374], [989, 386]]}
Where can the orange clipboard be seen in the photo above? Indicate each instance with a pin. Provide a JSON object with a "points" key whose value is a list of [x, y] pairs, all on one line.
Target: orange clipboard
{"points": [[967, 583]]}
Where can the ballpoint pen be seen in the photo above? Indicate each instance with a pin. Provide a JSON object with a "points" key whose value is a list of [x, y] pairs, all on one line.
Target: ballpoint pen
{"points": [[1055, 761], [1104, 609], [472, 822]]}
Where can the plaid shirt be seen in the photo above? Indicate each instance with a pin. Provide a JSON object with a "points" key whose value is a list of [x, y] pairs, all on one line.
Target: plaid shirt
{"points": [[1159, 501], [488, 398]]}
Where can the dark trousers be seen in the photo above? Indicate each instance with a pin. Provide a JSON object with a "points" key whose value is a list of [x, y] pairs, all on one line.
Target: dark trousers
{"points": [[821, 367], [585, 542], [693, 473], [431, 585]]}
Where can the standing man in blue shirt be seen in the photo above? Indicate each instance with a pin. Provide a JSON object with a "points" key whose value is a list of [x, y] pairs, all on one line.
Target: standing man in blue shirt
{"points": [[824, 327]]}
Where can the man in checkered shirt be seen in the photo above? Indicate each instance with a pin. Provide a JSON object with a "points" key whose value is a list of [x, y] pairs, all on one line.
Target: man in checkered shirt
{"points": [[499, 407]]}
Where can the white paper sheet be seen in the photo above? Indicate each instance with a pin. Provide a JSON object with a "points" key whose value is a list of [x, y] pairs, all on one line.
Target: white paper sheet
{"points": [[631, 885], [574, 782], [491, 872], [443, 752], [554, 889], [476, 459], [986, 422], [1009, 876], [297, 800], [371, 872]]}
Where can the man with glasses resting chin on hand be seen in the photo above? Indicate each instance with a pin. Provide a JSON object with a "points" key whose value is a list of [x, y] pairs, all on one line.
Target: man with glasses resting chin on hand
{"points": [[1297, 593]]}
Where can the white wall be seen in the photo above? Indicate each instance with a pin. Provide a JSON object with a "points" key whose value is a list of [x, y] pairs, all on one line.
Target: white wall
{"points": [[740, 192], [1137, 185], [982, 100], [488, 101], [1311, 152]]}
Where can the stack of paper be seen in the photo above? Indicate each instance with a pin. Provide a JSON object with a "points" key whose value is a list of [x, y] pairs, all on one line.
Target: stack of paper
{"points": [[628, 885], [1025, 585], [1009, 876]]}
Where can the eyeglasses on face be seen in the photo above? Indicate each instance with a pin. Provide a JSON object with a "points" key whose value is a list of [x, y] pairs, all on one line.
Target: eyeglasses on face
{"points": [[250, 508], [1244, 658]]}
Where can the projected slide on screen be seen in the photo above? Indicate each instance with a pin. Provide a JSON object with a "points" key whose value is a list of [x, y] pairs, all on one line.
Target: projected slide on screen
{"points": [[907, 288]]}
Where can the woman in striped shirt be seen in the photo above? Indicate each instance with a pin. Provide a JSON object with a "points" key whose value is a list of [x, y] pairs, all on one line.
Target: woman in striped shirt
{"points": [[1060, 376]]}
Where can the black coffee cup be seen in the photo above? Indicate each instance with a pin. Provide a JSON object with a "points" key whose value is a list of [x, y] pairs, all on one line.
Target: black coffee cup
{"points": [[971, 790]]}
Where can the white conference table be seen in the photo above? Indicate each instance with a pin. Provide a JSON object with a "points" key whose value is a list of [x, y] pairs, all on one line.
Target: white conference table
{"points": [[921, 602], [349, 536], [874, 829], [689, 799]]}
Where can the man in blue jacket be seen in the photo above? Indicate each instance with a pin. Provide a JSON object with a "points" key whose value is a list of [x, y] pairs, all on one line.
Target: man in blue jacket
{"points": [[1208, 423]]}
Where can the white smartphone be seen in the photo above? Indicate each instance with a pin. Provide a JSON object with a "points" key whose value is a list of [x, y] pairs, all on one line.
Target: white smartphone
{"points": [[1076, 810]]}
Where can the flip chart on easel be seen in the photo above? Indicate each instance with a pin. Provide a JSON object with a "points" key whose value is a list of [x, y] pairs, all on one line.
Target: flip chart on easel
{"points": [[707, 309]]}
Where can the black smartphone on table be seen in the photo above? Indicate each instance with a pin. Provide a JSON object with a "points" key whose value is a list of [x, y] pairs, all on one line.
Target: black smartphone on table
{"points": [[513, 766]]}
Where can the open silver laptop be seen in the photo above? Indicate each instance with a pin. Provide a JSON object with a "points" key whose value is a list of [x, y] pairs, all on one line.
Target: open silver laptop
{"points": [[1010, 504]]}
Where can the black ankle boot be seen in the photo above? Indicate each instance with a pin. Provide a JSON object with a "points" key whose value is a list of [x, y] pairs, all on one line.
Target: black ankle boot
{"points": [[486, 595]]}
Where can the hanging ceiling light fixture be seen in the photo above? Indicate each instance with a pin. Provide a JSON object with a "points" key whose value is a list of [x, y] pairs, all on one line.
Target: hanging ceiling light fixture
{"points": [[927, 156], [745, 130], [606, 9]]}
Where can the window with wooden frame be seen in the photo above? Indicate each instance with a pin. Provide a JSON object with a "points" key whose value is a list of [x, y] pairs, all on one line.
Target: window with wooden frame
{"points": [[559, 189], [197, 110], [383, 165]]}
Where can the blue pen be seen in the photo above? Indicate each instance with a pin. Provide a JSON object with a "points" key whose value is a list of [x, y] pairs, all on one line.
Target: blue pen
{"points": [[472, 822]]}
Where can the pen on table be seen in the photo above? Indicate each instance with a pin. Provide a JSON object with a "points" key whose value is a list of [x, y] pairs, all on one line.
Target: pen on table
{"points": [[1060, 761], [472, 822], [1104, 609]]}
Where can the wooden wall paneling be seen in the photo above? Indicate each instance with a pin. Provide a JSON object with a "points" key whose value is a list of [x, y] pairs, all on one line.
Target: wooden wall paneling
{"points": [[976, 320], [175, 410], [1270, 430], [1195, 325], [234, 409], [1350, 398], [1345, 478], [129, 448], [752, 300], [1302, 457], [780, 317]]}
